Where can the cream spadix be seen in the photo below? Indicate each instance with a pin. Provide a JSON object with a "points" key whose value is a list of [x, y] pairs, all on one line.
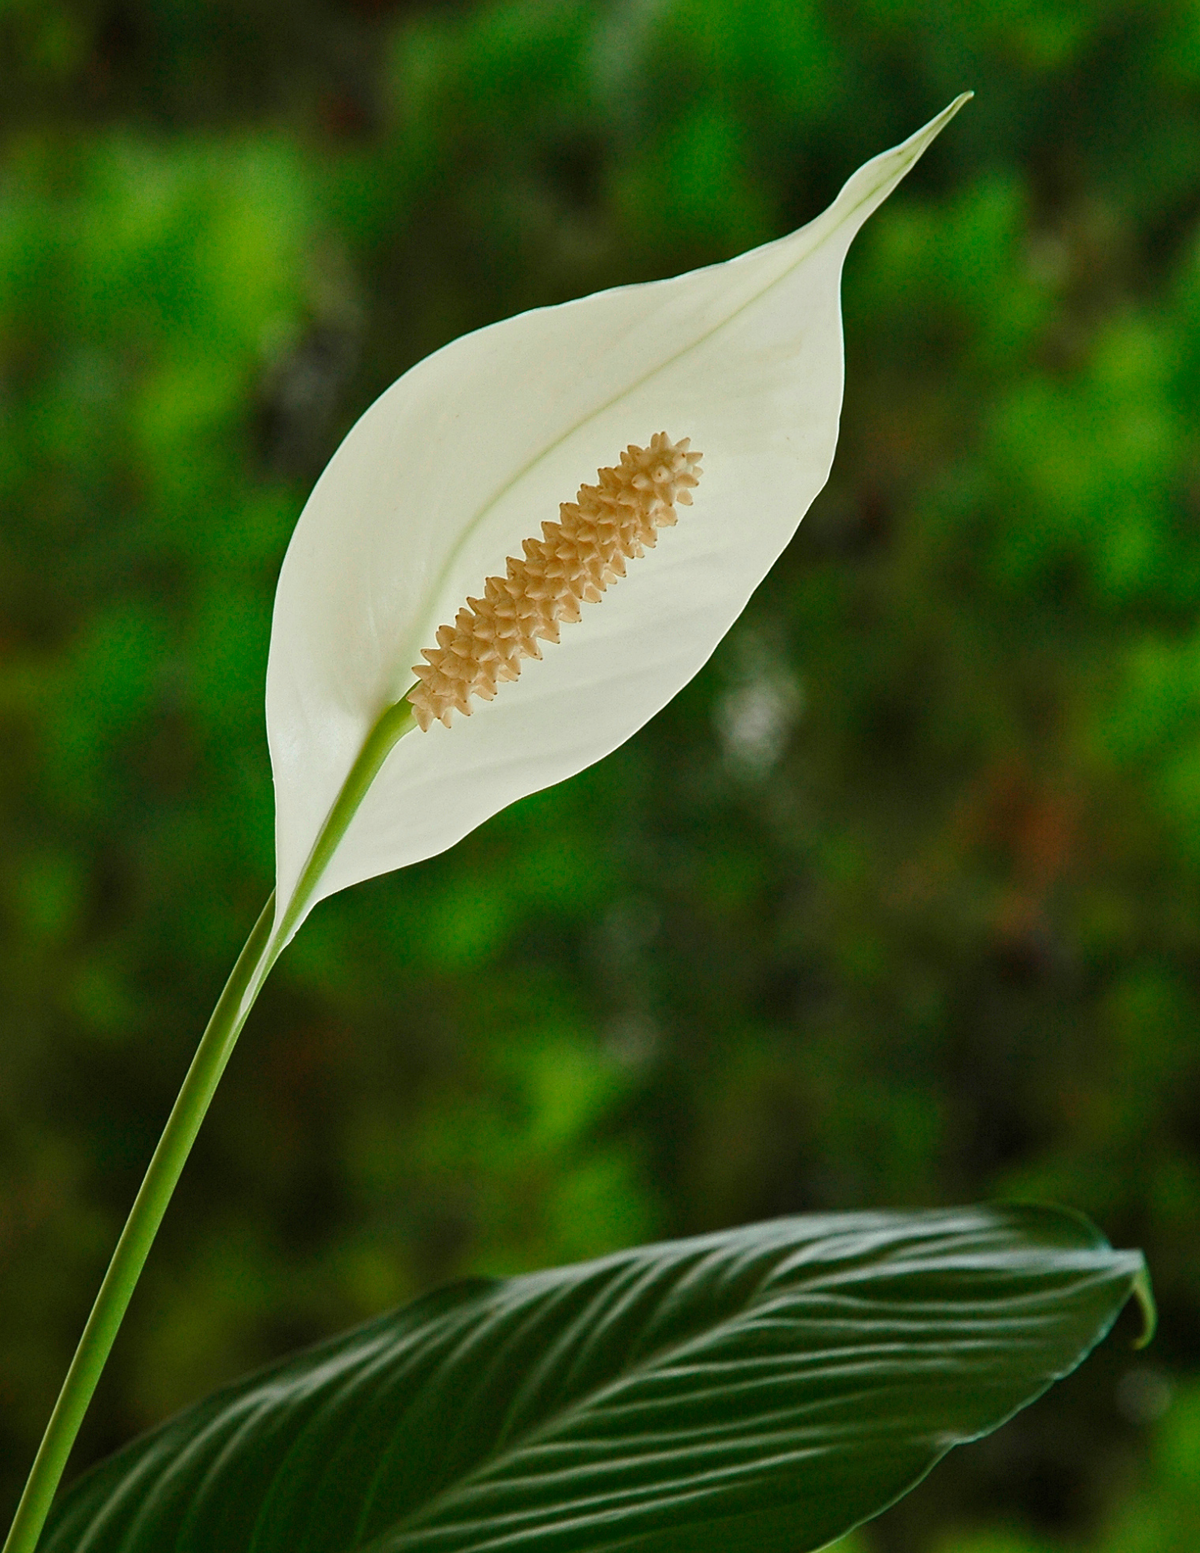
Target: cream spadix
{"points": [[474, 449], [572, 564]]}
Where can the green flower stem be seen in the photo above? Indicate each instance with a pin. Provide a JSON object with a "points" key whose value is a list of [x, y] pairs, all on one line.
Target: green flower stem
{"points": [[392, 725], [262, 949], [140, 1229]]}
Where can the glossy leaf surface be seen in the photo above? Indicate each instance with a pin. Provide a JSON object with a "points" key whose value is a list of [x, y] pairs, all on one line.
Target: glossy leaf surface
{"points": [[760, 1389]]}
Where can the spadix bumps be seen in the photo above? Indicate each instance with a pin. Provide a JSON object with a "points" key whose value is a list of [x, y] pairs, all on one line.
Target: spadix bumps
{"points": [[572, 564]]}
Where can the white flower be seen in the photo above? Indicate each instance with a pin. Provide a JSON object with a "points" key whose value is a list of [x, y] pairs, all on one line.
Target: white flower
{"points": [[463, 459]]}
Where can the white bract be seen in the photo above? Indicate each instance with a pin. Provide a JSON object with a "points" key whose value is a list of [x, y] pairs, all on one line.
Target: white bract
{"points": [[469, 453]]}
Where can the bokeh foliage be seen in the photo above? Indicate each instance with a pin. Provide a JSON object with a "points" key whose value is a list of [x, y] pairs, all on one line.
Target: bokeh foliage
{"points": [[899, 902]]}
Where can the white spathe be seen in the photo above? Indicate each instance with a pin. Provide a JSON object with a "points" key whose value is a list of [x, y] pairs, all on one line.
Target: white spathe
{"points": [[470, 451]]}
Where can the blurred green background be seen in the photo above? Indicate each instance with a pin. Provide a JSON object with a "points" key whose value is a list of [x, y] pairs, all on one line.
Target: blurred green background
{"points": [[898, 903]]}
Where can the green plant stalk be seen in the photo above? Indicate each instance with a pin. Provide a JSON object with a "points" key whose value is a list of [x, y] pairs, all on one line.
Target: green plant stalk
{"points": [[262, 949], [138, 1235]]}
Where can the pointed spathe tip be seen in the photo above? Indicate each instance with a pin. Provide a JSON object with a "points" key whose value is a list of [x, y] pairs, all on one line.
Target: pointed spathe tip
{"points": [[912, 149], [866, 190]]}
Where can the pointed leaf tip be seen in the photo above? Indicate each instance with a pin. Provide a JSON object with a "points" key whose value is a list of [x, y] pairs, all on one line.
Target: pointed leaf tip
{"points": [[1143, 1292]]}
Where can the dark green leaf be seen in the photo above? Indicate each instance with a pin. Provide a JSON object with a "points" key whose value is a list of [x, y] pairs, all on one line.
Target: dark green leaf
{"points": [[765, 1388]]}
